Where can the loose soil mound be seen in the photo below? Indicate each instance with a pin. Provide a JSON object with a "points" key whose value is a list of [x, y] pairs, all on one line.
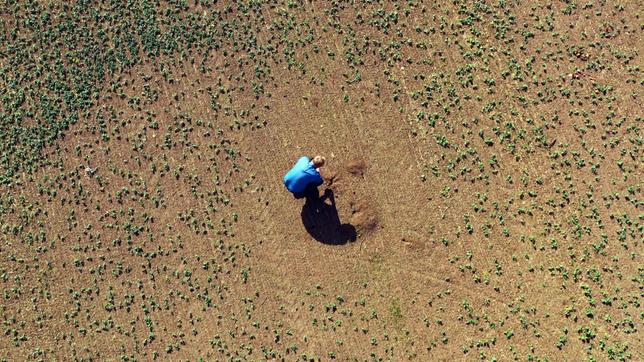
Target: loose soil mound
{"points": [[329, 175], [363, 217], [413, 243], [356, 167]]}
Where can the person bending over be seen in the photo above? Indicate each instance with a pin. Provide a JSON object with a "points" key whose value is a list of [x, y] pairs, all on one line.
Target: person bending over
{"points": [[304, 178]]}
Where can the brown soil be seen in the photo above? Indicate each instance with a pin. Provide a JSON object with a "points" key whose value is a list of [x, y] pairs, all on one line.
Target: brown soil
{"points": [[469, 221], [363, 216], [356, 167]]}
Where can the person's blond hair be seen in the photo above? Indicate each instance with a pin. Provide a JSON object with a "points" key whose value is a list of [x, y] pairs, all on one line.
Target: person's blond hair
{"points": [[318, 161]]}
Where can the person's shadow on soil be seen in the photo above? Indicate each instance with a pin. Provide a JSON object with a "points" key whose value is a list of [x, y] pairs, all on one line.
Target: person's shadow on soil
{"points": [[322, 222]]}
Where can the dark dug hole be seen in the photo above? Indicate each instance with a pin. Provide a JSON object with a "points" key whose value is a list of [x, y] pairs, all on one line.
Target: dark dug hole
{"points": [[322, 222]]}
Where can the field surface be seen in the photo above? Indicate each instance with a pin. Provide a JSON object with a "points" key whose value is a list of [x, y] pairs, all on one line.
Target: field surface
{"points": [[482, 195]]}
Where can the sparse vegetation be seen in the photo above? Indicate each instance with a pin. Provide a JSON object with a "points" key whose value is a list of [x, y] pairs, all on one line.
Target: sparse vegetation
{"points": [[141, 145]]}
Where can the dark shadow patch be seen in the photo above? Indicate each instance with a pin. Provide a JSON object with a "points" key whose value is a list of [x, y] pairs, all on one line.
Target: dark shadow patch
{"points": [[321, 220], [311, 191]]}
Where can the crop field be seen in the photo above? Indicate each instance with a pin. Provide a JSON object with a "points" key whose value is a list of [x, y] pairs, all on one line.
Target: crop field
{"points": [[482, 196]]}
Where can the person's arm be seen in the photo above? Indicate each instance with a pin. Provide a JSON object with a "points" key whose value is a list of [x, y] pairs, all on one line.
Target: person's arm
{"points": [[318, 178]]}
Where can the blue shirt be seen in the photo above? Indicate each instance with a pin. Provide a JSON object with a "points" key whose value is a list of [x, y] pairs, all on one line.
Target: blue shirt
{"points": [[302, 175]]}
